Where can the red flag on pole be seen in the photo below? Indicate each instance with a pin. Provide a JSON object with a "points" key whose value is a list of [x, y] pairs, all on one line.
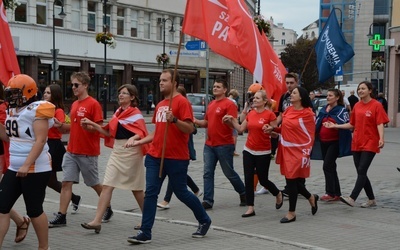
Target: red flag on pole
{"points": [[8, 59], [230, 31], [268, 68]]}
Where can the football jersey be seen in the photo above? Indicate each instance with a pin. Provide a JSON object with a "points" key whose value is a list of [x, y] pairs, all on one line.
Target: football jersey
{"points": [[19, 127]]}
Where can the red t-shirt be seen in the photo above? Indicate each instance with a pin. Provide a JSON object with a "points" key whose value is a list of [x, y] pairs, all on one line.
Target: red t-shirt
{"points": [[365, 118], [257, 140], [54, 133], [328, 134], [218, 132], [81, 141], [177, 141]]}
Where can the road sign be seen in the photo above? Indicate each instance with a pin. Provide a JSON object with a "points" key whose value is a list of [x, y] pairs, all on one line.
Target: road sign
{"points": [[338, 78], [195, 45], [185, 53], [54, 65], [54, 51], [339, 71]]}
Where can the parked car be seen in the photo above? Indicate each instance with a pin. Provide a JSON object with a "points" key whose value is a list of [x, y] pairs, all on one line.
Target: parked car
{"points": [[198, 101], [322, 103]]}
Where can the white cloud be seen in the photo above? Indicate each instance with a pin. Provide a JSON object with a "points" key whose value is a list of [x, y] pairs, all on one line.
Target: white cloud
{"points": [[294, 14]]}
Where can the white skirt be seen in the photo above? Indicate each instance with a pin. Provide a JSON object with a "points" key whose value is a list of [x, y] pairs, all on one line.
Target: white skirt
{"points": [[125, 168]]}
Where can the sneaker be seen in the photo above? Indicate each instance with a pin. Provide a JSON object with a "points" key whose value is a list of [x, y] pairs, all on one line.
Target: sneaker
{"points": [[262, 190], [347, 200], [107, 215], [75, 204], [206, 205], [369, 203], [59, 221], [202, 230], [327, 197], [140, 238], [242, 200], [163, 206]]}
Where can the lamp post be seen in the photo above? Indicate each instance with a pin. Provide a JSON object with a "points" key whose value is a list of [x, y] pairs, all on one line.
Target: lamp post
{"points": [[164, 20], [105, 84], [370, 32], [54, 52]]}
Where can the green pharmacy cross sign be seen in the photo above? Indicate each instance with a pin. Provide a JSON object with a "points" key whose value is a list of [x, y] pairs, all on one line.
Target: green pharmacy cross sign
{"points": [[377, 42]]}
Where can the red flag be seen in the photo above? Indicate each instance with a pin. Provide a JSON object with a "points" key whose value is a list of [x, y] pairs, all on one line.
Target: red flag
{"points": [[230, 31], [208, 20], [8, 59]]}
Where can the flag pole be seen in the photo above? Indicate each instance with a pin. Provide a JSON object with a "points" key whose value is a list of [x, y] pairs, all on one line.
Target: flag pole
{"points": [[308, 60], [170, 104]]}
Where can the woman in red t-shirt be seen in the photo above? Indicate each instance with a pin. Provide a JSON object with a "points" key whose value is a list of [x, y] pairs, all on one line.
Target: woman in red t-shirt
{"points": [[367, 119], [257, 150]]}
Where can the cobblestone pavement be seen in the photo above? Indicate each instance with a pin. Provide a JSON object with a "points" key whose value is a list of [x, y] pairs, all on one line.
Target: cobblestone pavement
{"points": [[335, 226]]}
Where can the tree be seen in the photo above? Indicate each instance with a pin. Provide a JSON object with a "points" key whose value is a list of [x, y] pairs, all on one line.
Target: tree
{"points": [[295, 56]]}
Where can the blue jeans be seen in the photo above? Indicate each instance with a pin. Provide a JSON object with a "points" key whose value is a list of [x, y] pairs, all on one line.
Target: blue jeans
{"points": [[177, 175], [223, 154]]}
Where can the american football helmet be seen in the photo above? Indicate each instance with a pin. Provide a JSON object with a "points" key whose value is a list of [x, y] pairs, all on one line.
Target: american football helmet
{"points": [[20, 89]]}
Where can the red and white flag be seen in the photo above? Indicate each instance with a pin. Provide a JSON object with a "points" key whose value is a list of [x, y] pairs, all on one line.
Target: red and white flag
{"points": [[231, 32], [8, 59]]}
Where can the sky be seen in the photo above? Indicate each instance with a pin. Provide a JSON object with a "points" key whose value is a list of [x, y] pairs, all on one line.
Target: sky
{"points": [[294, 14]]}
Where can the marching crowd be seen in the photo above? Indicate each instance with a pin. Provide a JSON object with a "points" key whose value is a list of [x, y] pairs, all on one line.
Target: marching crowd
{"points": [[32, 151]]}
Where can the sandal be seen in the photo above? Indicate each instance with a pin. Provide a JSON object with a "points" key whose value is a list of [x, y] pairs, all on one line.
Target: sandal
{"points": [[23, 227]]}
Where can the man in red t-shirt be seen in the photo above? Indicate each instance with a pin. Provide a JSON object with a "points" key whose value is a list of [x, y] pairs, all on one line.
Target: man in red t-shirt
{"points": [[219, 144], [83, 147], [177, 118]]}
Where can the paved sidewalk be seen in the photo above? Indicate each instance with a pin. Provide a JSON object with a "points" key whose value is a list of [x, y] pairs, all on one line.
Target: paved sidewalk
{"points": [[335, 226]]}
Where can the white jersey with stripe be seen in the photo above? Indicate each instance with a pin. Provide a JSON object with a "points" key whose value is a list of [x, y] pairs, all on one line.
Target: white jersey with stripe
{"points": [[19, 127]]}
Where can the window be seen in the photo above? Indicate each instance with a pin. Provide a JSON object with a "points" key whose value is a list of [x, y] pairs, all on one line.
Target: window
{"points": [[283, 33], [76, 14], [41, 12], [283, 42], [120, 21], [20, 12], [91, 16], [58, 21], [146, 25], [134, 23]]}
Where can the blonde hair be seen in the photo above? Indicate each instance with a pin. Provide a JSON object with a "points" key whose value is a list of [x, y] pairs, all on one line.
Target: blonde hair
{"points": [[265, 98], [234, 93]]}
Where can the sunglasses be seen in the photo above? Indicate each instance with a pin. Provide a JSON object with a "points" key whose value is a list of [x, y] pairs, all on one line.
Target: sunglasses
{"points": [[76, 85]]}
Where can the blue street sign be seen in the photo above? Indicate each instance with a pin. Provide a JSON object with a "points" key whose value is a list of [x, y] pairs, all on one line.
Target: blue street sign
{"points": [[339, 71], [195, 45]]}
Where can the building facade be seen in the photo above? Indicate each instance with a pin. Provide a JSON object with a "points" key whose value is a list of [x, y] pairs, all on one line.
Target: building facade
{"points": [[138, 28]]}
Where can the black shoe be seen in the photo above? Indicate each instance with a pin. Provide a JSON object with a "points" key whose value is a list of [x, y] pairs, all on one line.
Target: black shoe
{"points": [[202, 230], [140, 238], [75, 204], [107, 215], [277, 206], [398, 169], [286, 220], [249, 215], [314, 209], [59, 221], [206, 205], [242, 200]]}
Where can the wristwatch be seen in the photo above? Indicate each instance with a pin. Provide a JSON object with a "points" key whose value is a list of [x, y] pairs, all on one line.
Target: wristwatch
{"points": [[174, 120]]}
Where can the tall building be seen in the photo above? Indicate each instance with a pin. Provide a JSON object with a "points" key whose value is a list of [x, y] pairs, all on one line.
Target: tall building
{"points": [[281, 37], [393, 65]]}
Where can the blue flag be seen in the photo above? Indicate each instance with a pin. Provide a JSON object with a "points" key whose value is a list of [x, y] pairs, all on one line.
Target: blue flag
{"points": [[332, 49]]}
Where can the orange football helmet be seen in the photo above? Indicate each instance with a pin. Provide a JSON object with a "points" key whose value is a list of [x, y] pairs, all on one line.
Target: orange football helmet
{"points": [[20, 89]]}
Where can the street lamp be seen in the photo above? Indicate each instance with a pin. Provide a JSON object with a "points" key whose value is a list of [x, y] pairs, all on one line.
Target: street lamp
{"points": [[164, 20], [62, 15]]}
